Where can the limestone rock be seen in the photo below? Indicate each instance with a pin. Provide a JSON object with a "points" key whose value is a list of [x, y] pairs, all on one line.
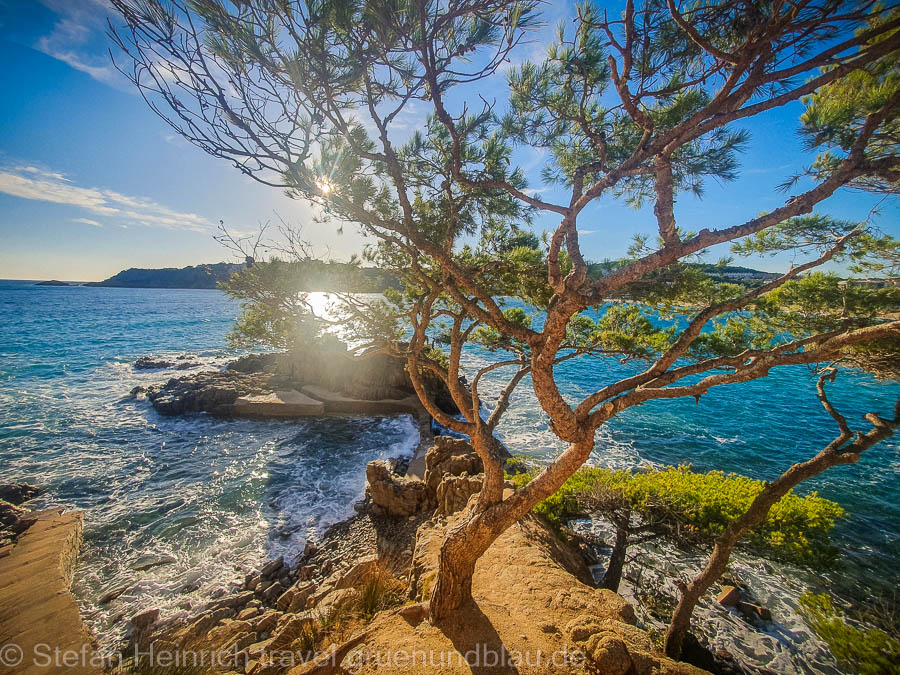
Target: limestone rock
{"points": [[450, 456], [453, 492], [357, 572], [394, 495]]}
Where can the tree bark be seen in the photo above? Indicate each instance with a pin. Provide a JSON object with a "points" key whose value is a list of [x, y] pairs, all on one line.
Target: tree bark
{"points": [[481, 524], [613, 575]]}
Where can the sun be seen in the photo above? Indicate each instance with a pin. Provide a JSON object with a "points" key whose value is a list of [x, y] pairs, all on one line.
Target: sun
{"points": [[325, 186]]}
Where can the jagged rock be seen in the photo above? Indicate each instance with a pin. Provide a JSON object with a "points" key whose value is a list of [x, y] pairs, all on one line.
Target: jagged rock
{"points": [[453, 493], [254, 363], [271, 567], [144, 619], [266, 622], [394, 495], [222, 635], [231, 602], [450, 456], [10, 514], [273, 592], [729, 596], [182, 362], [149, 560], [213, 392], [18, 493], [357, 572], [248, 613]]}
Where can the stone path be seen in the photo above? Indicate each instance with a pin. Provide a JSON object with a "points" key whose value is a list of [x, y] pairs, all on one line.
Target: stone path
{"points": [[39, 621]]}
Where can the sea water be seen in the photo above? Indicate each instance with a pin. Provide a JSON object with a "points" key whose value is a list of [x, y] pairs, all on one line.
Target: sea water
{"points": [[178, 509]]}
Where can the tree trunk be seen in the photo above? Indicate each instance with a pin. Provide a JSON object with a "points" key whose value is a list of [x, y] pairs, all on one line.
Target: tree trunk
{"points": [[845, 449], [481, 524], [613, 575], [691, 594]]}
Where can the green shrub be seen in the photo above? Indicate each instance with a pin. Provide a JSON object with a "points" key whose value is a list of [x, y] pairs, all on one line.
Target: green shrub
{"points": [[797, 527], [868, 651]]}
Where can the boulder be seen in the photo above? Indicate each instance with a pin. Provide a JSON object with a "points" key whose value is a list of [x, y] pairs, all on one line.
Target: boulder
{"points": [[395, 495], [729, 596], [272, 567], [358, 571], [18, 493], [450, 456], [337, 600], [144, 619], [453, 492]]}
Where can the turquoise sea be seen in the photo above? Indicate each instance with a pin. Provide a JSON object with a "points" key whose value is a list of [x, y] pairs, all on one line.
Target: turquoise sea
{"points": [[208, 499]]}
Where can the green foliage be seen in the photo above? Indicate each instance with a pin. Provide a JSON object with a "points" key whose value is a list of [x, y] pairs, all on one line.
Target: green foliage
{"points": [[836, 113], [796, 528], [868, 651]]}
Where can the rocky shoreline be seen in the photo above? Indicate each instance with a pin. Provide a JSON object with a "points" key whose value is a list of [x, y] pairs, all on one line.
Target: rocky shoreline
{"points": [[321, 603], [366, 582]]}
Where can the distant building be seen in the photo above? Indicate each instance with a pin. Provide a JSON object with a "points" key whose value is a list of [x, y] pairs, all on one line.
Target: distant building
{"points": [[886, 282]]}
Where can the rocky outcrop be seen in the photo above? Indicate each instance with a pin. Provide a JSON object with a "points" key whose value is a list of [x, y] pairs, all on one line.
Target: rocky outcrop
{"points": [[396, 495], [454, 492], [450, 457], [453, 473], [181, 362], [212, 392], [18, 493]]}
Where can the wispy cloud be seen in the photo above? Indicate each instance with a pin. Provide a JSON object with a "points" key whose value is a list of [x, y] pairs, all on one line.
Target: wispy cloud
{"points": [[78, 38], [29, 182]]}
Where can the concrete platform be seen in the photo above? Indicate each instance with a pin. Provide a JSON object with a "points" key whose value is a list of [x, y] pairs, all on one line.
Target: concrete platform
{"points": [[336, 402], [39, 620], [290, 403]]}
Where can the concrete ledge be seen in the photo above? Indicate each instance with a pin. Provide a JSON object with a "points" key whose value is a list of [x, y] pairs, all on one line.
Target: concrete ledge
{"points": [[37, 612], [339, 404], [290, 403]]}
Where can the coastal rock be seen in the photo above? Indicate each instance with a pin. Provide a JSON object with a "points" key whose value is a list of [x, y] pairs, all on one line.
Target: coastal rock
{"points": [[453, 493], [10, 514], [18, 493], [182, 362], [144, 619], [271, 567], [729, 596], [395, 495], [149, 560], [254, 363], [450, 457], [213, 392]]}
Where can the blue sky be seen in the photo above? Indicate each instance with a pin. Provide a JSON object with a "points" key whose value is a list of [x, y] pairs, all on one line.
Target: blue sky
{"points": [[92, 182]]}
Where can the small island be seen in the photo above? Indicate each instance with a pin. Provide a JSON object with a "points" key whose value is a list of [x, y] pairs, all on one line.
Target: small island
{"points": [[54, 282]]}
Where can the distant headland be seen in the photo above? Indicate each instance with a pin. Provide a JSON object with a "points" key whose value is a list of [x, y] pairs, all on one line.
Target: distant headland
{"points": [[323, 276]]}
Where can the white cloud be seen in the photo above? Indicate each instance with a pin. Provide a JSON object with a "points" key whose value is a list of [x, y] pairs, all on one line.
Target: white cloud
{"points": [[29, 182], [87, 221], [78, 38]]}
